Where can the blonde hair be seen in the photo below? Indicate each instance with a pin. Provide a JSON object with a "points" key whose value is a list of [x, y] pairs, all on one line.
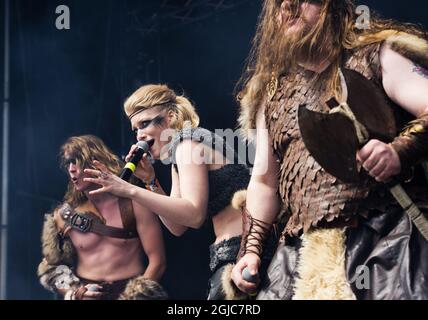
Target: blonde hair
{"points": [[84, 149], [157, 95]]}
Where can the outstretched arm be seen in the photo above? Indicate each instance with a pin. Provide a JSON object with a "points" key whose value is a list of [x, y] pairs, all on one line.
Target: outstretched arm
{"points": [[189, 210], [146, 173], [176, 229]]}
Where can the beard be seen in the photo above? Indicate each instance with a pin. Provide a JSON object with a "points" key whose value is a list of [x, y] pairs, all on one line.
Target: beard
{"points": [[299, 42]]}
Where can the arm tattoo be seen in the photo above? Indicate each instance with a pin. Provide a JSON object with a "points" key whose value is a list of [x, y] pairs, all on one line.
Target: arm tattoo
{"points": [[420, 71]]}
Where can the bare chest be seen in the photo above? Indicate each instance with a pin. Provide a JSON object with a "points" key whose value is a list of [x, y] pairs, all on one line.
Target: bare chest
{"points": [[89, 241]]}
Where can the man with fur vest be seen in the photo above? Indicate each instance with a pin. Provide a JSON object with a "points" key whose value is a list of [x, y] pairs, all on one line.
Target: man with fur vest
{"points": [[94, 245], [341, 240]]}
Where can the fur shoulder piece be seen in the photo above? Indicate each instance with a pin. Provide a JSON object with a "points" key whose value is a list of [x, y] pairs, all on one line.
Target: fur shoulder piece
{"points": [[239, 199], [140, 288], [250, 106], [409, 45], [55, 249], [247, 122]]}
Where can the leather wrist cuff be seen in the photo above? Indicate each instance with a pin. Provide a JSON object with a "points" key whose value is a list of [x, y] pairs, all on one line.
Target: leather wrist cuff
{"points": [[412, 144], [153, 185], [254, 234], [79, 292]]}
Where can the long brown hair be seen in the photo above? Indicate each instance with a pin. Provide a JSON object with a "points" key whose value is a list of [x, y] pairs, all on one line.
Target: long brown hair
{"points": [[84, 149], [273, 54]]}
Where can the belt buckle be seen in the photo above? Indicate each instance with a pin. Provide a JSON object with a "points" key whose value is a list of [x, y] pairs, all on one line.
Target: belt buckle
{"points": [[81, 223]]}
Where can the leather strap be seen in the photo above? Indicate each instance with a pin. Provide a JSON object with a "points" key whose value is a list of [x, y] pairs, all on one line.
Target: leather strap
{"points": [[412, 144], [113, 232], [88, 222], [127, 214], [254, 234]]}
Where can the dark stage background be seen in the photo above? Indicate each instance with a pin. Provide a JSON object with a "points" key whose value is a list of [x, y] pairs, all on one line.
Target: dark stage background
{"points": [[74, 82]]}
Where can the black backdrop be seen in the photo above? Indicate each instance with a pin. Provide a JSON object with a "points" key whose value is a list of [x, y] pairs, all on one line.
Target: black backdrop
{"points": [[74, 82]]}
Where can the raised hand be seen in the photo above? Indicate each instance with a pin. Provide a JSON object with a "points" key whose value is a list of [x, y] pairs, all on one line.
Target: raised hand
{"points": [[252, 262], [108, 181]]}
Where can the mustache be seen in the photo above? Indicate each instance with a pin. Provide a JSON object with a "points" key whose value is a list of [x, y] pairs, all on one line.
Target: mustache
{"points": [[300, 45], [291, 16]]}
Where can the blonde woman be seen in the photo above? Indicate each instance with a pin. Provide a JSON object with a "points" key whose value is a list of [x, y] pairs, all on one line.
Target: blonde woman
{"points": [[204, 178]]}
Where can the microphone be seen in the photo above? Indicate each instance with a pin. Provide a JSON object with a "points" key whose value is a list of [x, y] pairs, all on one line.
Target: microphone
{"points": [[129, 169], [247, 276]]}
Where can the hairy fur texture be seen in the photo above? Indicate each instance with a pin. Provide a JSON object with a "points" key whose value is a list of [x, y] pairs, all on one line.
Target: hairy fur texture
{"points": [[44, 267], [410, 46], [321, 267], [44, 271], [239, 199], [230, 291], [55, 278], [52, 250], [141, 288], [58, 256]]}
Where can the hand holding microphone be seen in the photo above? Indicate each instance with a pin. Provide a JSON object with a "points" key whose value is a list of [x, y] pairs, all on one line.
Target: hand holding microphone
{"points": [[142, 147], [247, 276]]}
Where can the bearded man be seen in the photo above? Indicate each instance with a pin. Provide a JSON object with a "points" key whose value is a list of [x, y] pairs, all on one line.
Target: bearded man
{"points": [[342, 240]]}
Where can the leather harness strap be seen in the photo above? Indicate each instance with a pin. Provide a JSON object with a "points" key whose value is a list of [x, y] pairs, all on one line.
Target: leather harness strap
{"points": [[88, 222], [127, 214]]}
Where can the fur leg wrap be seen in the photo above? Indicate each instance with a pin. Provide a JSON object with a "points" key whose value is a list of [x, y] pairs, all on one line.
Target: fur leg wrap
{"points": [[141, 288], [321, 267]]}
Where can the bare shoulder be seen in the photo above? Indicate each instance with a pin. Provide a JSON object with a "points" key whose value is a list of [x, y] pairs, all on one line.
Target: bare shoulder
{"points": [[392, 60], [189, 152], [404, 81]]}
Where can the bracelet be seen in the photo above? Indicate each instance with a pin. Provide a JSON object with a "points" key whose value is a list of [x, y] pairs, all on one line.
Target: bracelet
{"points": [[153, 185], [79, 293]]}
